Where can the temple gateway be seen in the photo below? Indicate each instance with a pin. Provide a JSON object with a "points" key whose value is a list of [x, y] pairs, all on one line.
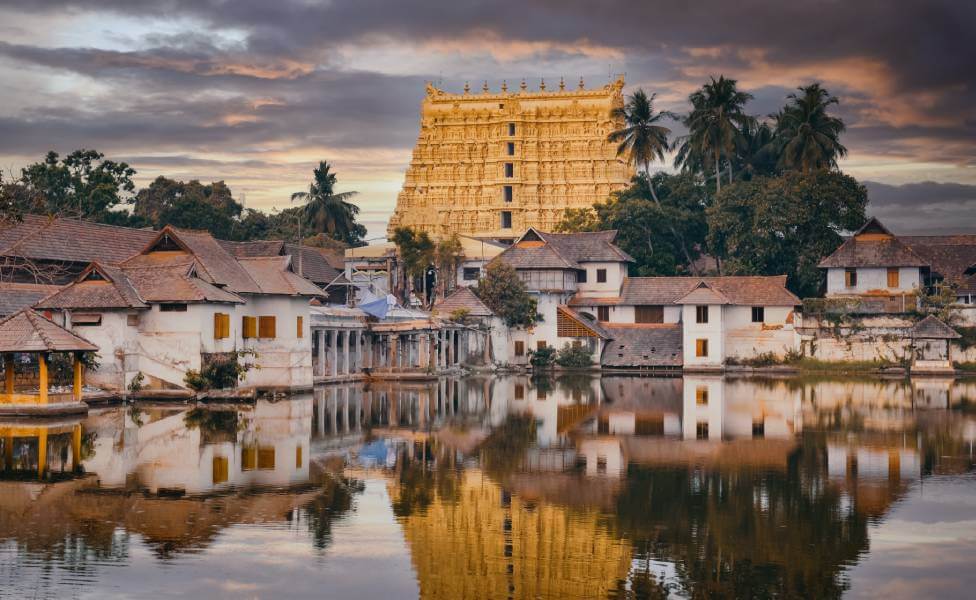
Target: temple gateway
{"points": [[492, 165]]}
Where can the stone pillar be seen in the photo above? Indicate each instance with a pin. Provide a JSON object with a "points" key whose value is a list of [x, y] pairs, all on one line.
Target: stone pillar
{"points": [[368, 345], [450, 347], [391, 350], [335, 411], [422, 350], [345, 409], [320, 336], [78, 372], [333, 352], [321, 419], [42, 385], [345, 353]]}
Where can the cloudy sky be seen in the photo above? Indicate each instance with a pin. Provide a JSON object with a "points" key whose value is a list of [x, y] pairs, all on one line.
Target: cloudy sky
{"points": [[255, 92]]}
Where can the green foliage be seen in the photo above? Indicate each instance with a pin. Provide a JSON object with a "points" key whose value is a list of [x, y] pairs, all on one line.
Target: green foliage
{"points": [[542, 358], [807, 137], [136, 383], [785, 224], [447, 256], [642, 139], [415, 249], [576, 220], [219, 371], [82, 184], [940, 302], [968, 339], [460, 315], [504, 292], [327, 212], [574, 357]]}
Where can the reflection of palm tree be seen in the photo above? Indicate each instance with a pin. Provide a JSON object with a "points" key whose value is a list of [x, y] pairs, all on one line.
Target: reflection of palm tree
{"points": [[328, 212]]}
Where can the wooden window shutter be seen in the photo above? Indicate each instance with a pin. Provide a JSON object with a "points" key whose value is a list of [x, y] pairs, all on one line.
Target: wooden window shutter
{"points": [[266, 327], [250, 326], [301, 328], [221, 326], [701, 347], [893, 278]]}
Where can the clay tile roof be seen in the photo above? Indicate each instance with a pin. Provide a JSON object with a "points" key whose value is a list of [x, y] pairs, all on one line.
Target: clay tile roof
{"points": [[17, 296], [175, 284], [540, 250], [932, 328], [751, 290], [643, 346], [318, 264], [27, 331], [873, 246], [274, 276], [98, 286], [953, 257], [463, 298], [71, 240], [253, 248]]}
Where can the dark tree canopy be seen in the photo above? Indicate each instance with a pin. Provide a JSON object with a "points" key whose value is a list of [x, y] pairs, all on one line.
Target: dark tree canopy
{"points": [[82, 184], [504, 292]]}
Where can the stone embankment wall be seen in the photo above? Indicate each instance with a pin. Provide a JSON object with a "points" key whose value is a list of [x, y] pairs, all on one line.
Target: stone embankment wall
{"points": [[881, 338]]}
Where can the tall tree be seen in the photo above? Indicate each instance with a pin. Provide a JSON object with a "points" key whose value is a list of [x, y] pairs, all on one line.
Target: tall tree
{"points": [[785, 224], [643, 140], [714, 124], [326, 211], [504, 292], [755, 153], [416, 251], [191, 204], [809, 137], [82, 184]]}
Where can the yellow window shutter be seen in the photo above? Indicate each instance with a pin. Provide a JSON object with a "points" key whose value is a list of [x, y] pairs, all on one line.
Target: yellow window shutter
{"points": [[301, 328], [218, 327], [250, 327], [266, 327]]}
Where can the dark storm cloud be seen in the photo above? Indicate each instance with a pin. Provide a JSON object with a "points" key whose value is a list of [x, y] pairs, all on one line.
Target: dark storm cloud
{"points": [[924, 208]]}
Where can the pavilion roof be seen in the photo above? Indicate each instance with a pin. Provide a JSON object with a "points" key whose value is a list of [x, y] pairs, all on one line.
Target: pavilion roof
{"points": [[28, 331]]}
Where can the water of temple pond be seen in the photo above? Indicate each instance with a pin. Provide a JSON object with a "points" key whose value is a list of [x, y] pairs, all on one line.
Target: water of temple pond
{"points": [[570, 487]]}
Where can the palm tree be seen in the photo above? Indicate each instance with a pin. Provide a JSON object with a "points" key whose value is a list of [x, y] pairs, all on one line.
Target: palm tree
{"points": [[328, 212], [756, 151], [641, 138], [808, 136], [714, 125]]}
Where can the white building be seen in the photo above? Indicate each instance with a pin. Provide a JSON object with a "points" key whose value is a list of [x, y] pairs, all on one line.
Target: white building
{"points": [[184, 300]]}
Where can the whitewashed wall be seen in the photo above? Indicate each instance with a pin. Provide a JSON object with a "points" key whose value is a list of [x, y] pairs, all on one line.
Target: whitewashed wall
{"points": [[616, 271], [873, 279], [712, 331]]}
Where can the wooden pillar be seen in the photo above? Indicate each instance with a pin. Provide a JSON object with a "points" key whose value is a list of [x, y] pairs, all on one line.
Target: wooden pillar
{"points": [[41, 452], [78, 380], [8, 373], [43, 383], [76, 447]]}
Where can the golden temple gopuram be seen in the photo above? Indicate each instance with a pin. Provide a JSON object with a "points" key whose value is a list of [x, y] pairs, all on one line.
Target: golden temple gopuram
{"points": [[494, 164]]}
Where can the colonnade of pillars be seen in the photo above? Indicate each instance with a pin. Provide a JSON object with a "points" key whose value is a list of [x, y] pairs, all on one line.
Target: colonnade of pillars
{"points": [[342, 352], [14, 436]]}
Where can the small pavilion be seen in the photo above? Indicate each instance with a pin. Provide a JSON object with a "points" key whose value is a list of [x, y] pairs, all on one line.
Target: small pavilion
{"points": [[27, 332]]}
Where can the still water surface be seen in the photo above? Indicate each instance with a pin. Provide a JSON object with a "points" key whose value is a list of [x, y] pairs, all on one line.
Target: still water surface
{"points": [[575, 487]]}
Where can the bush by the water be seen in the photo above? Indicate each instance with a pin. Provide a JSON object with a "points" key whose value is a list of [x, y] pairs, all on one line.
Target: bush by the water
{"points": [[574, 357], [542, 358]]}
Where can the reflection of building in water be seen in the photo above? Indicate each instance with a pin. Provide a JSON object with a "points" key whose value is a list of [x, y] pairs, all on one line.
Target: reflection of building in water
{"points": [[483, 543], [203, 450], [40, 445]]}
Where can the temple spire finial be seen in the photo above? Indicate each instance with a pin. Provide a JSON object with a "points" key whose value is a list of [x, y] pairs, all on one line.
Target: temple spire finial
{"points": [[504, 86], [542, 84], [581, 82], [484, 88], [562, 84], [467, 88], [523, 86]]}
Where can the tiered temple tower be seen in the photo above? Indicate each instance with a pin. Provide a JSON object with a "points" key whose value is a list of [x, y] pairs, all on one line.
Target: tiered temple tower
{"points": [[492, 165]]}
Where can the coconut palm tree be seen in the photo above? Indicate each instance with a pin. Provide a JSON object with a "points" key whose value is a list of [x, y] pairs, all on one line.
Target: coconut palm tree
{"points": [[756, 151], [641, 139], [714, 124], [809, 138], [328, 212]]}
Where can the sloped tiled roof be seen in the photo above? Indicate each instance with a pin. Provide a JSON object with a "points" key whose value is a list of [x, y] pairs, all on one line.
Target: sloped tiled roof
{"points": [[114, 290], [176, 284], [643, 345], [752, 290], [704, 293], [873, 246], [18, 296], [274, 276], [27, 331], [71, 240], [317, 264], [541, 250], [463, 298], [932, 328], [253, 248], [951, 256]]}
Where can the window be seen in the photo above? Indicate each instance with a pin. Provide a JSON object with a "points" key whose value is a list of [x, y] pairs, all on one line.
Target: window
{"points": [[509, 194], [759, 429], [758, 314], [701, 348], [701, 396], [301, 329], [266, 327], [266, 459], [850, 278], [132, 320], [471, 273], [172, 308], [86, 320], [701, 431], [221, 326], [581, 276], [511, 129], [511, 148], [603, 313], [249, 327], [540, 344], [893, 278], [298, 457], [506, 219], [701, 314], [519, 348], [220, 469], [519, 391], [649, 314], [509, 170], [601, 275]]}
